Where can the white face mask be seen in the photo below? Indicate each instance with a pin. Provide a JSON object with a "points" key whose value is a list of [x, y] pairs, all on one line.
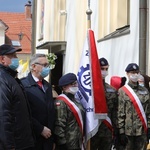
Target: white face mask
{"points": [[141, 84], [73, 90], [134, 77], [104, 73]]}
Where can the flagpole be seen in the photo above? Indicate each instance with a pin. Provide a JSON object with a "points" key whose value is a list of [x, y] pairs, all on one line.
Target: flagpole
{"points": [[88, 12]]}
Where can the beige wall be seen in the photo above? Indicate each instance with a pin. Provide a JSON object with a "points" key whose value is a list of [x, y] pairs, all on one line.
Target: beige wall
{"points": [[2, 35], [54, 21], [113, 15], [24, 57]]}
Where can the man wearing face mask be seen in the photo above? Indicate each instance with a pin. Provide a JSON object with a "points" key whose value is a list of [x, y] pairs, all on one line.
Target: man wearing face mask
{"points": [[141, 80], [15, 117], [104, 137], [69, 119], [133, 112], [39, 93]]}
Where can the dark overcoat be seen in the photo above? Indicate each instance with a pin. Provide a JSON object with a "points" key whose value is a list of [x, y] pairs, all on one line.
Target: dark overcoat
{"points": [[42, 109], [15, 118]]}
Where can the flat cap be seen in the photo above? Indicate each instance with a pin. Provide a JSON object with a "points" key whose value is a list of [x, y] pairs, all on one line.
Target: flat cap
{"points": [[132, 67], [67, 79], [8, 49], [103, 62]]}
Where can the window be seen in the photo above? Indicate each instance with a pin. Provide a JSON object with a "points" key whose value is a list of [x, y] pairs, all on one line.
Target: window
{"points": [[113, 14], [16, 43]]}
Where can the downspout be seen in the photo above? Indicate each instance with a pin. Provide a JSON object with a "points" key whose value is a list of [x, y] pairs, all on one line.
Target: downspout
{"points": [[142, 35], [34, 16]]}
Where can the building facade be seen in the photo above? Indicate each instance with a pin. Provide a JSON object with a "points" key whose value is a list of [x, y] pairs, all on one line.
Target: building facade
{"points": [[61, 26], [18, 30]]}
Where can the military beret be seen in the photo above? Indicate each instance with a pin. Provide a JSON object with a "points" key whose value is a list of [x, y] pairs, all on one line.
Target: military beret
{"points": [[103, 62], [67, 79], [132, 67]]}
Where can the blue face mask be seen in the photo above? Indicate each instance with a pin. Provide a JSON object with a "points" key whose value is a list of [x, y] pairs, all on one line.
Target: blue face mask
{"points": [[14, 63], [45, 72]]}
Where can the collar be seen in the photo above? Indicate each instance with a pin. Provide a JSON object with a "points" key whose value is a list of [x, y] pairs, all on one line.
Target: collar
{"points": [[133, 86], [71, 96], [32, 81], [35, 78], [9, 71]]}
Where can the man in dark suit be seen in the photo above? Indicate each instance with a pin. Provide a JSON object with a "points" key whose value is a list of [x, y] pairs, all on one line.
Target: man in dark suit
{"points": [[39, 93]]}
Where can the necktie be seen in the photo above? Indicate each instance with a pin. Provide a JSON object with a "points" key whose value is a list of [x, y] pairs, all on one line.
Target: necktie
{"points": [[39, 83]]}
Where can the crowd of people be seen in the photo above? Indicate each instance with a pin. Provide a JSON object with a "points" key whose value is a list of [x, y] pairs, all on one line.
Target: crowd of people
{"points": [[31, 119]]}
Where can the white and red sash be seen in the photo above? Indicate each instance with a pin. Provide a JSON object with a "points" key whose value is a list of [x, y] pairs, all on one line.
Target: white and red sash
{"points": [[108, 123], [74, 109], [137, 105]]}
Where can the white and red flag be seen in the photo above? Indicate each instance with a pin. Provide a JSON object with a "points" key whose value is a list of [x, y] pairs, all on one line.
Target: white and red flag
{"points": [[91, 93]]}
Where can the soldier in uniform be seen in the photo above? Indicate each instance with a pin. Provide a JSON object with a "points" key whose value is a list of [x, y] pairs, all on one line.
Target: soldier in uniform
{"points": [[69, 115], [141, 80], [133, 111], [104, 137]]}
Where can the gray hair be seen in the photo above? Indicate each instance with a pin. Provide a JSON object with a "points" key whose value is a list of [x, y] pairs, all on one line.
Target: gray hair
{"points": [[34, 59]]}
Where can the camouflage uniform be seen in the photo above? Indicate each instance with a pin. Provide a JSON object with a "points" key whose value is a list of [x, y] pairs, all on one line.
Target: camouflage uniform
{"points": [[67, 130], [103, 138], [128, 119]]}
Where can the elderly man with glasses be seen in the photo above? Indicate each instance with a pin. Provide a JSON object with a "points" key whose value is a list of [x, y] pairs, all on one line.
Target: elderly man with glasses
{"points": [[39, 93]]}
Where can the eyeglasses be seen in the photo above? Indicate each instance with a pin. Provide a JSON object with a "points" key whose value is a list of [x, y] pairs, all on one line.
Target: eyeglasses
{"points": [[44, 65]]}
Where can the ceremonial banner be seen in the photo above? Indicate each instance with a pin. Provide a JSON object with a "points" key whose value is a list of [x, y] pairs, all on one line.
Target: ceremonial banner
{"points": [[91, 93]]}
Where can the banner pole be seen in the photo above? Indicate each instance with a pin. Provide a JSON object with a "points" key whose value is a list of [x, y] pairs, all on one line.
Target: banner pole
{"points": [[88, 12]]}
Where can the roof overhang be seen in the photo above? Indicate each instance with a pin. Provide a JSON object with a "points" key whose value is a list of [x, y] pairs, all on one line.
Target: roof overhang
{"points": [[53, 46]]}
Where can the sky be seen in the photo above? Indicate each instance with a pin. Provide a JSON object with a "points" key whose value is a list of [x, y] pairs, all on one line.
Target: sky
{"points": [[13, 5]]}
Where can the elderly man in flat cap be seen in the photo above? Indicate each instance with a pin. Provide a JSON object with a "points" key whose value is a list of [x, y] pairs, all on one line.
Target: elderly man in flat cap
{"points": [[69, 115], [15, 118], [104, 137], [133, 112]]}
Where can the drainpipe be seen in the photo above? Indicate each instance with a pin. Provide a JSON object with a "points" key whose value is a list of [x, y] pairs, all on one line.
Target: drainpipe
{"points": [[142, 35], [34, 16]]}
